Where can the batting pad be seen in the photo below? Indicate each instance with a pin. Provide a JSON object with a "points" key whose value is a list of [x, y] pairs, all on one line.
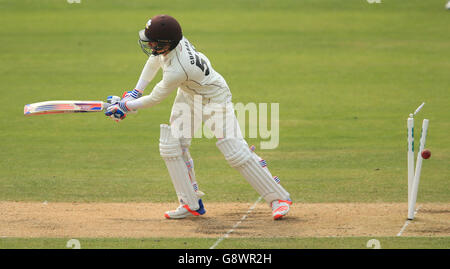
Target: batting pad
{"points": [[241, 158], [170, 150], [186, 155]]}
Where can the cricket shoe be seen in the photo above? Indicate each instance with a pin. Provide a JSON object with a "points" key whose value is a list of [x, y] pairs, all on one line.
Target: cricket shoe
{"points": [[184, 211], [280, 208]]}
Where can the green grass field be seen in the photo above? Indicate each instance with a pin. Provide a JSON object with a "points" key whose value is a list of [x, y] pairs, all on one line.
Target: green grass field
{"points": [[345, 73], [196, 243]]}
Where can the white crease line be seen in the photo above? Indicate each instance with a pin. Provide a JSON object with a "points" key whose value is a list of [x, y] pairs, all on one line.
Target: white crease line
{"points": [[227, 234], [407, 223]]}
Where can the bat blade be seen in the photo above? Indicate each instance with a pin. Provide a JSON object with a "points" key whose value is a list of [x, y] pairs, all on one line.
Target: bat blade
{"points": [[57, 107]]}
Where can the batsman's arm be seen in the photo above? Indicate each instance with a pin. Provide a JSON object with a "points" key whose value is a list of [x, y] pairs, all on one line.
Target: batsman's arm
{"points": [[170, 82], [148, 72]]}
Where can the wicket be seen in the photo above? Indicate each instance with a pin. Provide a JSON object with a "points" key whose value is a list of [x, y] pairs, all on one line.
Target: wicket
{"points": [[414, 176]]}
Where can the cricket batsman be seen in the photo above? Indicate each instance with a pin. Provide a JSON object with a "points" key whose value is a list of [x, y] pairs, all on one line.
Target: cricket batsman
{"points": [[190, 73]]}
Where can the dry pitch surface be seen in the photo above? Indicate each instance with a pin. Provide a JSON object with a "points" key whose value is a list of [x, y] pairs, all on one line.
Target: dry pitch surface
{"points": [[144, 220]]}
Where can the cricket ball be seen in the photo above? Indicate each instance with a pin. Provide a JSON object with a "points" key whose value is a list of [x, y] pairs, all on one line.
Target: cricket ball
{"points": [[426, 153]]}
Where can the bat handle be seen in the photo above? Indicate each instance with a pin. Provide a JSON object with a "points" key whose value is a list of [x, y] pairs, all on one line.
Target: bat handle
{"points": [[105, 106]]}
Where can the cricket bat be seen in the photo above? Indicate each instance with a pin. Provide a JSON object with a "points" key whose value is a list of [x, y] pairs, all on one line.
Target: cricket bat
{"points": [[56, 107]]}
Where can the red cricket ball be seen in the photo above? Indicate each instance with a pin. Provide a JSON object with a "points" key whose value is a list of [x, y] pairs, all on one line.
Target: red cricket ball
{"points": [[426, 153]]}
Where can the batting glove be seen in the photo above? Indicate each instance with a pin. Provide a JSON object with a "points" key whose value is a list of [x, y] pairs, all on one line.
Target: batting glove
{"points": [[117, 111], [112, 99], [132, 95]]}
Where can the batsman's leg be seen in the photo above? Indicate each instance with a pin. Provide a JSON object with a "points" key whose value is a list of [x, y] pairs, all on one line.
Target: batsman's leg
{"points": [[182, 108], [280, 207], [185, 144], [170, 150], [251, 166]]}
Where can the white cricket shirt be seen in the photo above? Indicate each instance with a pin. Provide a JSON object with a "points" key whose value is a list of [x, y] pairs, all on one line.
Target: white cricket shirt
{"points": [[183, 68]]}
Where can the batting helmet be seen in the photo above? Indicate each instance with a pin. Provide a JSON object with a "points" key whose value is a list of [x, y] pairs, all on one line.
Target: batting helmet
{"points": [[162, 29]]}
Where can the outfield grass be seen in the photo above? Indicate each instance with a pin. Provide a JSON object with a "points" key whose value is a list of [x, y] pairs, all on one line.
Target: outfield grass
{"points": [[345, 73], [241, 243]]}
